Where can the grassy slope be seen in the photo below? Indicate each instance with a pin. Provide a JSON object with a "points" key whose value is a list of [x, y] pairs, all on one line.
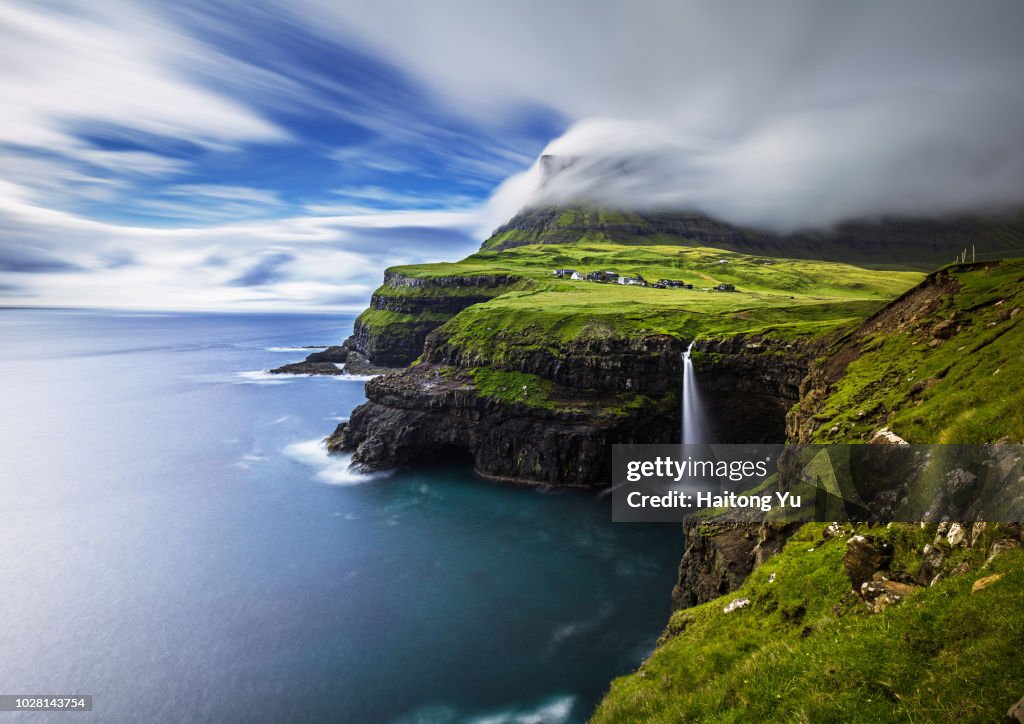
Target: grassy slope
{"points": [[783, 296], [966, 386], [805, 650]]}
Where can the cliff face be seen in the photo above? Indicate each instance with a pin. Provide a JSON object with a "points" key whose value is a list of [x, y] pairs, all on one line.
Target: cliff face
{"points": [[404, 310], [718, 557], [431, 412], [535, 415], [550, 415], [749, 383]]}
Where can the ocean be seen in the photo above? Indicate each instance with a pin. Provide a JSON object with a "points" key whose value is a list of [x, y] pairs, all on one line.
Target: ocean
{"points": [[176, 543]]}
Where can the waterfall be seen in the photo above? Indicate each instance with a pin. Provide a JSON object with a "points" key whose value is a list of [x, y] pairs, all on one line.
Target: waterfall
{"points": [[694, 430]]}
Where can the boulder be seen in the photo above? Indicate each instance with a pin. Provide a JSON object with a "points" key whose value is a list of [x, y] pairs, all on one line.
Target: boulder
{"points": [[881, 593], [957, 535], [736, 605], [931, 564], [1001, 546], [982, 583], [864, 558]]}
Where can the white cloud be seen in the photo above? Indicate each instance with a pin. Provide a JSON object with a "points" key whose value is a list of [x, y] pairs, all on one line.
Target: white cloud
{"points": [[308, 262], [110, 63], [780, 114]]}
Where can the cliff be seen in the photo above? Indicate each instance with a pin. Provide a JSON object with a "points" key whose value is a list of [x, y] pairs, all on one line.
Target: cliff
{"points": [[405, 309], [934, 634], [533, 377]]}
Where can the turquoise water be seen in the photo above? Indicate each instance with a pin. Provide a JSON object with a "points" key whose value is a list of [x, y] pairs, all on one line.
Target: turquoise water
{"points": [[175, 543]]}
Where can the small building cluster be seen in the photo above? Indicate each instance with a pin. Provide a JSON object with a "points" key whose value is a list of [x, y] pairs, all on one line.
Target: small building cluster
{"points": [[670, 284], [610, 277]]}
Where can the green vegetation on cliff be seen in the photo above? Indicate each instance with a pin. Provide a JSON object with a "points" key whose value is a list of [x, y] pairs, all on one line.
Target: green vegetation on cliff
{"points": [[945, 371], [806, 648], [784, 297]]}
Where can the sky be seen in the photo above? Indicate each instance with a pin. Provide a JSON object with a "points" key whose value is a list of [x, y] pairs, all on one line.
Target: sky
{"points": [[277, 156]]}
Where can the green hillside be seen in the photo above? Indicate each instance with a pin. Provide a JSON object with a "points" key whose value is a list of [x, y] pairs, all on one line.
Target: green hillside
{"points": [[787, 297], [807, 649], [945, 370]]}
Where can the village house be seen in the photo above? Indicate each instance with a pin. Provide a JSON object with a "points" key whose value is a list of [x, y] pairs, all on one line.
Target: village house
{"points": [[562, 273], [725, 288], [637, 280], [576, 276], [667, 283]]}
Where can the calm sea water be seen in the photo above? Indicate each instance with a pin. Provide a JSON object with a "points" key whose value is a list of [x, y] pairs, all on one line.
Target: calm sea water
{"points": [[174, 541]]}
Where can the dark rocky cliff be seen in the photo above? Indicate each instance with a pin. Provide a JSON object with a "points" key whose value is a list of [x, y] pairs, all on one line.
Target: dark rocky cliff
{"points": [[430, 413], [598, 393]]}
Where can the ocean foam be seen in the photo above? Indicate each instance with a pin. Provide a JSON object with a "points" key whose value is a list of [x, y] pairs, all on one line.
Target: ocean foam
{"points": [[550, 712], [292, 349], [331, 469], [262, 377]]}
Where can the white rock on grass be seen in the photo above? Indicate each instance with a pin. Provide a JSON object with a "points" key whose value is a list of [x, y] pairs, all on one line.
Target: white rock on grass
{"points": [[736, 605]]}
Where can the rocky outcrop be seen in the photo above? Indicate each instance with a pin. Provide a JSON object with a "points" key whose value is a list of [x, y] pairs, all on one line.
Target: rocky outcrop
{"points": [[864, 558], [405, 309], [429, 413], [325, 362], [719, 555]]}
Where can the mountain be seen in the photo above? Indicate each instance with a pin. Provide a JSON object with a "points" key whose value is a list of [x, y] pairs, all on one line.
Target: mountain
{"points": [[921, 244]]}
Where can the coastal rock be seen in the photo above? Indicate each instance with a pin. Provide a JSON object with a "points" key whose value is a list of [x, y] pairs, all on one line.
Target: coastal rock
{"points": [[308, 368], [323, 362]]}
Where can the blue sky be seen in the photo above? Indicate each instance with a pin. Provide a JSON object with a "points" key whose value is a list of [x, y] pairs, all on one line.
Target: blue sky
{"points": [[279, 155], [280, 163]]}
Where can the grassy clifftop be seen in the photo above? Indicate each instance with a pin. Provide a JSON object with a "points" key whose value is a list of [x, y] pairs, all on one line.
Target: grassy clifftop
{"points": [[787, 297]]}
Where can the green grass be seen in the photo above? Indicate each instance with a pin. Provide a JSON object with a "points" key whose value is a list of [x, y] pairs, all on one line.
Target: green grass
{"points": [[513, 387], [807, 650], [785, 298], [962, 390]]}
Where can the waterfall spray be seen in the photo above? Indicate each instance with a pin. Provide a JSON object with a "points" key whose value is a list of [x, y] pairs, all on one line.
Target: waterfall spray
{"points": [[694, 429]]}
